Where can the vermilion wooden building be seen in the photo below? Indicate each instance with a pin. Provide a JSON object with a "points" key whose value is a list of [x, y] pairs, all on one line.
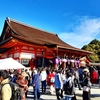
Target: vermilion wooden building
{"points": [[23, 43]]}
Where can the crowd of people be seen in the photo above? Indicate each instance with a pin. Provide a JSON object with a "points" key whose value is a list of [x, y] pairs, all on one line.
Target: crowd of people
{"points": [[62, 82]]}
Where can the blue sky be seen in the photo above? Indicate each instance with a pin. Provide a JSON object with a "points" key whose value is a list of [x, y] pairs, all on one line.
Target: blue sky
{"points": [[77, 22]]}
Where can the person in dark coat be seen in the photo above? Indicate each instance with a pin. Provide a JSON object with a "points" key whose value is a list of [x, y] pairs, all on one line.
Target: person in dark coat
{"points": [[86, 84], [68, 86], [36, 85]]}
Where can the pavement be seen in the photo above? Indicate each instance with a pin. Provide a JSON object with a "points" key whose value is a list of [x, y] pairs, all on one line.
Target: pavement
{"points": [[95, 94]]}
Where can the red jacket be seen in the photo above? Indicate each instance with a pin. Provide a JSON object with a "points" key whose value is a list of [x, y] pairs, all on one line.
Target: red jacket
{"points": [[49, 76]]}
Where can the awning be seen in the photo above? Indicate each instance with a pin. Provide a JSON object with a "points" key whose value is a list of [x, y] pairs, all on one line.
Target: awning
{"points": [[10, 63]]}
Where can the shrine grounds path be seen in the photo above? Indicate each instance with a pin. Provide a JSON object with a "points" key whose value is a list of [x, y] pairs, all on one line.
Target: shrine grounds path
{"points": [[95, 94]]}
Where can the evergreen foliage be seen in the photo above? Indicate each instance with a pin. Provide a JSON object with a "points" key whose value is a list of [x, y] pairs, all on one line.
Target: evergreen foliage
{"points": [[93, 46]]}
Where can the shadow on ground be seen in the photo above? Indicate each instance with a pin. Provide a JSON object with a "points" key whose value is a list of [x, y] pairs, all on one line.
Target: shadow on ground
{"points": [[92, 95]]}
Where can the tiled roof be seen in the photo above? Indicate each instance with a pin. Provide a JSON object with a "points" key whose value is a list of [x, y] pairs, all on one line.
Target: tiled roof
{"points": [[35, 35]]}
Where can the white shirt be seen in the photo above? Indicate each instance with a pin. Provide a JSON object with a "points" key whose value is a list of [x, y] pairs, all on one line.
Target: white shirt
{"points": [[43, 75]]}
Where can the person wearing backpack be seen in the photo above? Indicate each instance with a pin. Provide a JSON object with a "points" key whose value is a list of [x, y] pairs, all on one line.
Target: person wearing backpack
{"points": [[68, 87], [5, 92]]}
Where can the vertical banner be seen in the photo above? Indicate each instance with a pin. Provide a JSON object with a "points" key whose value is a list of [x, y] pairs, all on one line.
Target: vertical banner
{"points": [[31, 63], [43, 62]]}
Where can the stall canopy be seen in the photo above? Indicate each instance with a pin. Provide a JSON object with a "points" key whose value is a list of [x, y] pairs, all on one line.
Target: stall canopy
{"points": [[10, 63]]}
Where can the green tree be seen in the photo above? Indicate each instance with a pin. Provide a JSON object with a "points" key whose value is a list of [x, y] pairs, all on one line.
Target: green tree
{"points": [[93, 46]]}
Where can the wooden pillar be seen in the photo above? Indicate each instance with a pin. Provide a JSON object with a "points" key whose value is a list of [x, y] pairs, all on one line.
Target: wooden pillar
{"points": [[13, 52], [35, 52], [55, 65], [20, 47]]}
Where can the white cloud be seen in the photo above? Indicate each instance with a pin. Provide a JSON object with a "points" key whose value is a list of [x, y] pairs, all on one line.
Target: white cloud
{"points": [[82, 33]]}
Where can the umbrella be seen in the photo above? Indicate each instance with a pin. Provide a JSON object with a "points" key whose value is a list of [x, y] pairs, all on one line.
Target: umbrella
{"points": [[10, 63]]}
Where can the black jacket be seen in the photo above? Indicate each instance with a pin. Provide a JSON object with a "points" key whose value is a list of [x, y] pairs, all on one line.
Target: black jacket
{"points": [[86, 82], [68, 87]]}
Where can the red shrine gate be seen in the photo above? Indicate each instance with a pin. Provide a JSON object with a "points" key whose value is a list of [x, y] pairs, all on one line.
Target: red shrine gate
{"points": [[29, 45]]}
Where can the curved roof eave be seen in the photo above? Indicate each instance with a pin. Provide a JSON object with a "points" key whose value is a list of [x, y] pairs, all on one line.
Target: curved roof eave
{"points": [[3, 42], [78, 50]]}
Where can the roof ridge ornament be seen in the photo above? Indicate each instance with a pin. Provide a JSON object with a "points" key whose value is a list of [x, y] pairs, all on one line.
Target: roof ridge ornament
{"points": [[8, 19]]}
